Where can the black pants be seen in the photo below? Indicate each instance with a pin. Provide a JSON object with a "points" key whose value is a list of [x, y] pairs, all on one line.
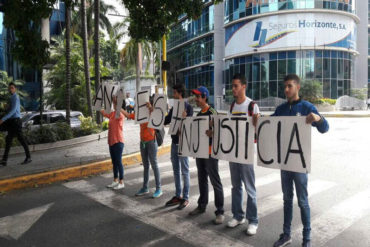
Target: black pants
{"points": [[14, 128], [209, 167]]}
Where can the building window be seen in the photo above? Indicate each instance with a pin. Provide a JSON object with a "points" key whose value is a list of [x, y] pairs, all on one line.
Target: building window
{"points": [[265, 72]]}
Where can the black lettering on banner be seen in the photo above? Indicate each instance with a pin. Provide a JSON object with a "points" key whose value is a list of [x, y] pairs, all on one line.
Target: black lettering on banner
{"points": [[176, 117], [140, 106], [160, 109], [97, 97], [295, 132], [278, 140], [218, 138], [195, 150], [237, 134], [232, 136], [258, 142], [187, 137], [108, 96], [246, 140]]}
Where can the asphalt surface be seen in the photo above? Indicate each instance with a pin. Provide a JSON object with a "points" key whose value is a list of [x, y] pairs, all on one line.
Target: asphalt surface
{"points": [[84, 213]]}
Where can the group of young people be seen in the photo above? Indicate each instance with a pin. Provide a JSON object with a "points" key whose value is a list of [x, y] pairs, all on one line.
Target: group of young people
{"points": [[242, 175]]}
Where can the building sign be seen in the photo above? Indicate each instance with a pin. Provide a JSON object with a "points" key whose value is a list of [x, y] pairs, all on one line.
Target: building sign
{"points": [[291, 31]]}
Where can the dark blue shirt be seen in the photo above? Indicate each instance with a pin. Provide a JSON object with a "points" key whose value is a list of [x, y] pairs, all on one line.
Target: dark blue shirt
{"points": [[302, 108], [189, 113]]}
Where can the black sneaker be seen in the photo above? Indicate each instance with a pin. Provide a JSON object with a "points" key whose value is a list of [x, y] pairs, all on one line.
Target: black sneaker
{"points": [[306, 243], [183, 204], [3, 163], [174, 201], [197, 211], [284, 240], [26, 161]]}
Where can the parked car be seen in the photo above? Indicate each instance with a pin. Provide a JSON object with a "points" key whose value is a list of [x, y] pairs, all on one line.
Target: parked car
{"points": [[31, 120]]}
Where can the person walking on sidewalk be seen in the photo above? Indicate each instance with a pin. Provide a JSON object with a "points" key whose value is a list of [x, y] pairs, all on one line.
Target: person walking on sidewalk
{"points": [[116, 144], [148, 151], [13, 124], [208, 167], [297, 107], [180, 164], [243, 173]]}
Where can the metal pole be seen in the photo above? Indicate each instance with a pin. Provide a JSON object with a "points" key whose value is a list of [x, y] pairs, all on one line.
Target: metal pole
{"points": [[164, 58]]}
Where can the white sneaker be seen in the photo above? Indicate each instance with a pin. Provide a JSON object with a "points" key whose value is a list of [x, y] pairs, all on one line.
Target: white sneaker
{"points": [[234, 222], [113, 184], [252, 229], [119, 186]]}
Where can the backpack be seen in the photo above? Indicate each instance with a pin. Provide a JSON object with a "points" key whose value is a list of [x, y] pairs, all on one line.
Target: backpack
{"points": [[250, 113], [159, 136], [250, 107]]}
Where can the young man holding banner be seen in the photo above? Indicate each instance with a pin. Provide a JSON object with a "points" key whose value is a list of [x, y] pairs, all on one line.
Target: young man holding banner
{"points": [[297, 107], [180, 164], [243, 173], [208, 167]]}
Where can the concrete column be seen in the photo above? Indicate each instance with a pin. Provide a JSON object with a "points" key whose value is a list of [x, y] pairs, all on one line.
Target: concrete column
{"points": [[361, 74], [219, 51]]}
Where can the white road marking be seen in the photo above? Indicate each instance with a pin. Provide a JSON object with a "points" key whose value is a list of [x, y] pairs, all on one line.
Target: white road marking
{"points": [[13, 227], [168, 222], [337, 219]]}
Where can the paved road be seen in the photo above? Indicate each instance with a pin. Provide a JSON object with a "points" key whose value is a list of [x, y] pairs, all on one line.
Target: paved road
{"points": [[84, 213]]}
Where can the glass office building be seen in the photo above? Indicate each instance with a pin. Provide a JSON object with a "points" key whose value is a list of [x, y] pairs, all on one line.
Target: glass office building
{"points": [[266, 40]]}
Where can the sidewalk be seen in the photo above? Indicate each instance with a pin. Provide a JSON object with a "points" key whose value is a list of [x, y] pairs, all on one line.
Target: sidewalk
{"points": [[54, 159]]}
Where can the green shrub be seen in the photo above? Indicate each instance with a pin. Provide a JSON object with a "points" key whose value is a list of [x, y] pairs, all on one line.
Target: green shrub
{"points": [[44, 134], [325, 100], [105, 124], [63, 131], [311, 91], [88, 127]]}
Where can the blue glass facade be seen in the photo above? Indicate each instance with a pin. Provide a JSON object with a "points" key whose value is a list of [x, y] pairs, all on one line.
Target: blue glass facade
{"points": [[31, 77], [236, 9], [265, 72], [190, 50]]}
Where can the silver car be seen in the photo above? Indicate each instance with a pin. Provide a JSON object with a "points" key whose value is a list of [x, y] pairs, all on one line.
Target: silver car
{"points": [[31, 120]]}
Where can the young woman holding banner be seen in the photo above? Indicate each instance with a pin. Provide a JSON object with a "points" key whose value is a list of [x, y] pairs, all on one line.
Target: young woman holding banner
{"points": [[116, 144], [148, 150]]}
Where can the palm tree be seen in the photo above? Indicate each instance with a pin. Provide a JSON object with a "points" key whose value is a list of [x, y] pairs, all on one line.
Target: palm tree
{"points": [[133, 55], [68, 5], [96, 46], [86, 57]]}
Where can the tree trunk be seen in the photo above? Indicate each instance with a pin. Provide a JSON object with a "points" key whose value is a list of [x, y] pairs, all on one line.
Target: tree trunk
{"points": [[86, 57], [138, 66], [96, 45], [68, 62]]}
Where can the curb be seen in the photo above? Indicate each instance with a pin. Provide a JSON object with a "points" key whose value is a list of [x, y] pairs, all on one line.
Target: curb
{"points": [[94, 168], [58, 144]]}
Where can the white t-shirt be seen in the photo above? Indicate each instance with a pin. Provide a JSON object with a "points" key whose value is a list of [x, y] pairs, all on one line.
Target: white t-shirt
{"points": [[242, 109]]}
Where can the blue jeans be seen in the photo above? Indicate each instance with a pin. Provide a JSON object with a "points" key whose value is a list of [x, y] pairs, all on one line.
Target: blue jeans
{"points": [[243, 174], [300, 181], [148, 152], [116, 156], [180, 164]]}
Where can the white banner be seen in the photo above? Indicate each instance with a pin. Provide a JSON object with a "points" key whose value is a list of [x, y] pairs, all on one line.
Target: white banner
{"points": [[178, 109], [233, 139], [120, 98], [284, 143], [291, 30], [141, 109], [193, 139], [105, 96], [156, 119]]}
